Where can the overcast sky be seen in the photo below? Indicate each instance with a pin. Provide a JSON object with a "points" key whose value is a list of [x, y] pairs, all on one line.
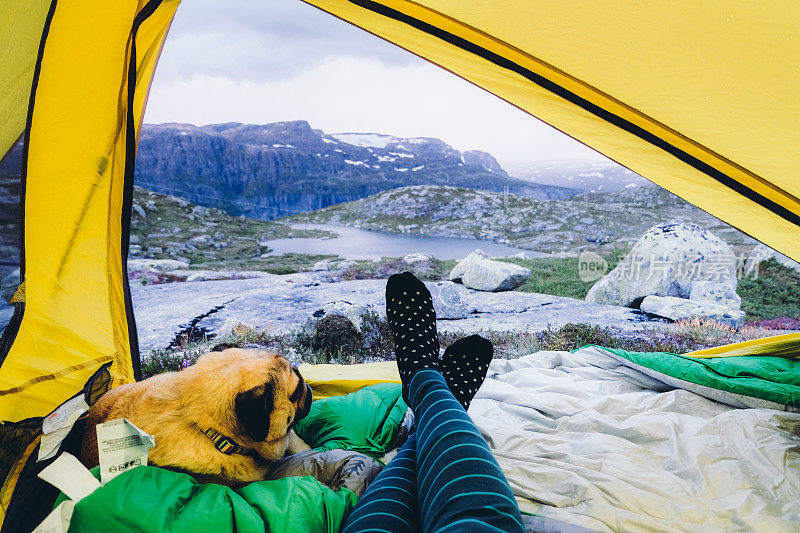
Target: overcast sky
{"points": [[276, 60]]}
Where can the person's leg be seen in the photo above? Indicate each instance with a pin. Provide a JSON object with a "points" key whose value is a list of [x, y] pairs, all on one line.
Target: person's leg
{"points": [[460, 486], [390, 502]]}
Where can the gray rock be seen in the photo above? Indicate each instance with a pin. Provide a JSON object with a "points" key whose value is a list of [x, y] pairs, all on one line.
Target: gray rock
{"points": [[461, 267], [447, 301], [413, 259], [202, 239], [344, 265], [200, 211], [353, 312], [151, 206], [284, 303], [161, 265], [762, 252], [321, 266], [209, 275], [667, 261], [478, 272], [681, 308], [715, 292], [139, 210]]}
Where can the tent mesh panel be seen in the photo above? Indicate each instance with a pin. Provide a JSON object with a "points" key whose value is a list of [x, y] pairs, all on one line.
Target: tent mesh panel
{"points": [[10, 220]]}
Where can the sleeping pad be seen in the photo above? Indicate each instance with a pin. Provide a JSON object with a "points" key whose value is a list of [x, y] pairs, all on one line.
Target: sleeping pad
{"points": [[149, 498]]}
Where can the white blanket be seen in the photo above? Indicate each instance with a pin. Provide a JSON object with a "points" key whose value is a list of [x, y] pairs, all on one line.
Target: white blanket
{"points": [[588, 442]]}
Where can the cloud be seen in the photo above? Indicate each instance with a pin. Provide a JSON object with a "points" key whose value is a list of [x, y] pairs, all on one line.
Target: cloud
{"points": [[351, 94], [264, 40]]}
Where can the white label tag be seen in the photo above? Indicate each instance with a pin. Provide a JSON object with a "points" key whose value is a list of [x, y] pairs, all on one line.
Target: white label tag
{"points": [[121, 447], [68, 475], [58, 520], [57, 425]]}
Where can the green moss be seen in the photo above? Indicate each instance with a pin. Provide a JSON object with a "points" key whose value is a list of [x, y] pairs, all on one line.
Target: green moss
{"points": [[559, 275]]}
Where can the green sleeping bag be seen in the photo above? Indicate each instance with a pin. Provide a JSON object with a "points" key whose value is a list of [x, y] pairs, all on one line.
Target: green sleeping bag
{"points": [[149, 498], [365, 421]]}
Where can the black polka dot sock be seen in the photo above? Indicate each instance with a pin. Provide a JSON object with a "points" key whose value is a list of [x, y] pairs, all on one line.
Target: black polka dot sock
{"points": [[464, 366], [409, 311]]}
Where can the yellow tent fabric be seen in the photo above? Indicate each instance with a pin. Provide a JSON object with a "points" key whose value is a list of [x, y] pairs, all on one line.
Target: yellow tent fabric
{"points": [[702, 98], [20, 33], [91, 69]]}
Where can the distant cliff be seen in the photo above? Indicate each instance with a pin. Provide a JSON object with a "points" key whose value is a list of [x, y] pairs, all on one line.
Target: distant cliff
{"points": [[274, 170]]}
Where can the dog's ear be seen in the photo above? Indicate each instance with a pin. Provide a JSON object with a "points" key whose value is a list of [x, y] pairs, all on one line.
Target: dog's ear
{"points": [[253, 408], [224, 346]]}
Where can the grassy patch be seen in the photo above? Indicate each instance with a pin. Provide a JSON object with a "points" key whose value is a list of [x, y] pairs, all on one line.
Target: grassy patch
{"points": [[558, 276], [775, 292]]}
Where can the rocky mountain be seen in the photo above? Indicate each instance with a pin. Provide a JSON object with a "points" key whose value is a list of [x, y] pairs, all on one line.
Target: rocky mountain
{"points": [[273, 170], [587, 177], [570, 226]]}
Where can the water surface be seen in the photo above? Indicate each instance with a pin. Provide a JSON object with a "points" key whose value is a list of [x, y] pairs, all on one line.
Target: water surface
{"points": [[354, 243]]}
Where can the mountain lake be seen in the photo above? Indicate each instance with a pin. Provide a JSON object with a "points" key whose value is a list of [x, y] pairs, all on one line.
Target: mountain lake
{"points": [[355, 243]]}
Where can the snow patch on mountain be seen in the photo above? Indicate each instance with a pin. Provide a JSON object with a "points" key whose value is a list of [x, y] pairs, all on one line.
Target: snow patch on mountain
{"points": [[366, 140]]}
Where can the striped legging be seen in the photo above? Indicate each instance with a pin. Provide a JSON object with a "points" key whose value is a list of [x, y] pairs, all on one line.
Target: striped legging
{"points": [[444, 478]]}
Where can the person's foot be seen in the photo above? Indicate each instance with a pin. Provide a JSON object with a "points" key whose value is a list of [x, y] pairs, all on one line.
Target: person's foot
{"points": [[409, 311], [464, 366]]}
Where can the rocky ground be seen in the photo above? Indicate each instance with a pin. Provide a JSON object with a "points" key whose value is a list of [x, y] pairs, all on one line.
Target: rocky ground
{"points": [[280, 303]]}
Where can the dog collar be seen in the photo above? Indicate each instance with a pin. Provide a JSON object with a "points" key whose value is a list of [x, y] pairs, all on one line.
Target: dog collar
{"points": [[225, 444]]}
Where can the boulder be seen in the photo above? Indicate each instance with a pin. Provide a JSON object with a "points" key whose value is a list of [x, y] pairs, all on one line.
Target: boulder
{"points": [[321, 266], [762, 252], [355, 313], [413, 259], [715, 292], [200, 211], [671, 259], [681, 308], [344, 265], [447, 301], [202, 239], [478, 272]]}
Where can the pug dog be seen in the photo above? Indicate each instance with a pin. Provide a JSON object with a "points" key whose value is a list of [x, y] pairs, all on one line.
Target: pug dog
{"points": [[223, 419]]}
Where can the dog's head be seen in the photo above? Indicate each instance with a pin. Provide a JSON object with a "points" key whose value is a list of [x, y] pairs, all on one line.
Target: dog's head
{"points": [[252, 396]]}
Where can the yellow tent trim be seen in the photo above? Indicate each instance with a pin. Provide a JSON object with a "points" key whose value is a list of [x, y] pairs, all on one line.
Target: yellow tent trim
{"points": [[780, 345], [337, 380]]}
